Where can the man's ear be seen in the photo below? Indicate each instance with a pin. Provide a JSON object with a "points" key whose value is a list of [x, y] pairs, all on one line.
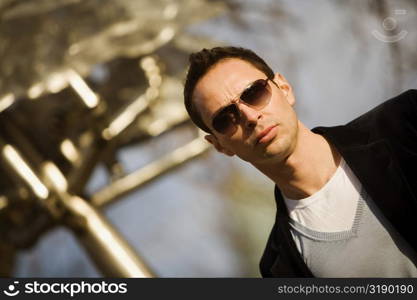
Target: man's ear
{"points": [[213, 140], [285, 87]]}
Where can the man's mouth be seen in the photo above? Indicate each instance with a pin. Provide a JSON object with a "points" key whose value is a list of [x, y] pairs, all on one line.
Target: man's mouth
{"points": [[266, 135]]}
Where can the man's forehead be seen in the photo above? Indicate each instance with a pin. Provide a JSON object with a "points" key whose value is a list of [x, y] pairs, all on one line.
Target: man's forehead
{"points": [[222, 83]]}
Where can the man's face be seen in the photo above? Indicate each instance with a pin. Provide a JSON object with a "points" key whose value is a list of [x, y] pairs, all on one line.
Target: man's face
{"points": [[262, 135]]}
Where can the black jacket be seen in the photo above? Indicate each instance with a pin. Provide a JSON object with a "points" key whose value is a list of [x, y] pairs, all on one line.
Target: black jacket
{"points": [[381, 149]]}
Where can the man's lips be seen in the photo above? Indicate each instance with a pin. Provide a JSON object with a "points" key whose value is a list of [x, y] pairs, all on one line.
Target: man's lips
{"points": [[266, 135]]}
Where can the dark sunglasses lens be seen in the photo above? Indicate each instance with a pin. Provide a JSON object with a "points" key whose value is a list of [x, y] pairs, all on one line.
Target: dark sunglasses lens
{"points": [[225, 122], [257, 94]]}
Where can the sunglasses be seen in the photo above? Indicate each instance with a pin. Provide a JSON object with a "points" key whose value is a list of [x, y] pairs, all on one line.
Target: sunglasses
{"points": [[257, 96]]}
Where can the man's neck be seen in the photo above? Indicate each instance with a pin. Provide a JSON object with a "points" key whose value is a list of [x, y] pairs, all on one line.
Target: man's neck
{"points": [[307, 169]]}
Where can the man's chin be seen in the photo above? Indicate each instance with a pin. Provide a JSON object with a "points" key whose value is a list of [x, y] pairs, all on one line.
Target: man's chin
{"points": [[275, 153]]}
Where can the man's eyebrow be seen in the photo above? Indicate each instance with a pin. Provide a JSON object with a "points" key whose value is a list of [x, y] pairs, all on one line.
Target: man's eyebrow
{"points": [[220, 109], [237, 97]]}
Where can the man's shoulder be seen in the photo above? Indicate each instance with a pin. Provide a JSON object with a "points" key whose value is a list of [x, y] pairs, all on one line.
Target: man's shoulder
{"points": [[392, 118], [404, 105]]}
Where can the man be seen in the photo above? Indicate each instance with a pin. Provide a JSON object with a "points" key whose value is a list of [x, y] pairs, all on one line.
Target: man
{"points": [[346, 195]]}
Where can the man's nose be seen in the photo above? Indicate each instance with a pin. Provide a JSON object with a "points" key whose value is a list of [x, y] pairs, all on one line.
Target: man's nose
{"points": [[249, 115]]}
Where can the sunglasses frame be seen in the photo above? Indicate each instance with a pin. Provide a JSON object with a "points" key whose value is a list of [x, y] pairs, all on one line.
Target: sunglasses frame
{"points": [[239, 99]]}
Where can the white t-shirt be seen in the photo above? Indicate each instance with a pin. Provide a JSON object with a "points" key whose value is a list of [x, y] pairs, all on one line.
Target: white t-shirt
{"points": [[333, 207]]}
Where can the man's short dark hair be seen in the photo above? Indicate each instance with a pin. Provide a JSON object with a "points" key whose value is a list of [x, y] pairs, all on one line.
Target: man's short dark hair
{"points": [[201, 62]]}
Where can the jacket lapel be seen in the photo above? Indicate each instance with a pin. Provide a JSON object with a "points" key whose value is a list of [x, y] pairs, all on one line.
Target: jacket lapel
{"points": [[289, 262]]}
